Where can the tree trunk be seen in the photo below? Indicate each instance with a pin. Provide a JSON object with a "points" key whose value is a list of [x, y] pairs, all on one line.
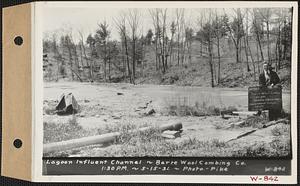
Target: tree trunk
{"points": [[276, 56], [171, 50], [81, 58], [76, 60], [237, 53], [257, 55], [190, 51], [86, 58], [200, 48], [142, 69], [127, 58], [211, 63], [133, 59], [70, 60], [253, 62], [109, 64], [268, 40], [219, 60], [123, 60], [105, 58], [183, 52], [156, 55], [246, 53], [279, 48], [178, 48], [259, 44]]}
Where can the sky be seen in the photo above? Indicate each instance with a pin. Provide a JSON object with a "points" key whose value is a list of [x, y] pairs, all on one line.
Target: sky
{"points": [[61, 19], [86, 20]]}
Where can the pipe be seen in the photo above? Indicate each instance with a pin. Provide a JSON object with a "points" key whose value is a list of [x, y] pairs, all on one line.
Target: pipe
{"points": [[98, 139]]}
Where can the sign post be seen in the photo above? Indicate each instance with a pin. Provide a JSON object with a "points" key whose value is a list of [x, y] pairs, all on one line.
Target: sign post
{"points": [[265, 98]]}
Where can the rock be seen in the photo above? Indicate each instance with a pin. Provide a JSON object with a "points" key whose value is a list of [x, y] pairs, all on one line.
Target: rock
{"points": [[227, 112], [170, 134], [116, 117], [67, 105], [225, 116], [150, 112]]}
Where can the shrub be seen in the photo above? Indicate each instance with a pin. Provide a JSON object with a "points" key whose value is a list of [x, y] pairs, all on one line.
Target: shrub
{"points": [[280, 130], [276, 148], [255, 121], [198, 109]]}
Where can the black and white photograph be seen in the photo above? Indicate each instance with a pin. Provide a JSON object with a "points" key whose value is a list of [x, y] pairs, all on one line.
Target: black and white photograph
{"points": [[210, 82], [167, 82]]}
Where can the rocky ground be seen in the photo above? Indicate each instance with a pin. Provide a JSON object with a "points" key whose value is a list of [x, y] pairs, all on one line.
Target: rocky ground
{"points": [[108, 108]]}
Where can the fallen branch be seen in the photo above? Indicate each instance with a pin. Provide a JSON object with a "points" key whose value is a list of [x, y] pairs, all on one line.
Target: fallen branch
{"points": [[246, 113], [254, 130]]}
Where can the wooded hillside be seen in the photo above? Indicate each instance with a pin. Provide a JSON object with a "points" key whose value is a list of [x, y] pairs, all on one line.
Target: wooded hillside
{"points": [[222, 48]]}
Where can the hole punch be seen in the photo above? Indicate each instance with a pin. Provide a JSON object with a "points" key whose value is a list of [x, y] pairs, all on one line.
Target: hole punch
{"points": [[18, 143], [18, 40]]}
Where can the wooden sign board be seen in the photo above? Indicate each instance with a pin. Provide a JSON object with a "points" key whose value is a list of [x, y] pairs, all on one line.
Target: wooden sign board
{"points": [[264, 98]]}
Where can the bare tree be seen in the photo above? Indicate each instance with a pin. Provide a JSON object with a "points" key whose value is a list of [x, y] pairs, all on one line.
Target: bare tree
{"points": [[91, 42], [282, 16], [76, 61], [173, 31], [258, 32], [58, 57], [207, 36], [219, 31], [101, 37], [265, 15], [133, 20], [247, 46], [66, 43], [154, 13], [164, 55], [236, 31], [180, 27], [121, 24]]}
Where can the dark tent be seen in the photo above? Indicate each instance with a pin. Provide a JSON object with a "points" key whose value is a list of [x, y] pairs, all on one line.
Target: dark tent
{"points": [[67, 105]]}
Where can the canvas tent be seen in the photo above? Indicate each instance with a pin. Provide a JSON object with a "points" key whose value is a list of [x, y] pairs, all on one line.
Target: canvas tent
{"points": [[67, 105]]}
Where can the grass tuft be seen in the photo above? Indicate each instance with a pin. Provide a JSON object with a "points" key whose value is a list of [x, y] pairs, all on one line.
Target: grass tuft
{"points": [[280, 130], [54, 132], [198, 109], [277, 148]]}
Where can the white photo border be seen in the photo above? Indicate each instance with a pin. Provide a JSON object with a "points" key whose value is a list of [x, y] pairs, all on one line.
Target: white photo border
{"points": [[37, 96]]}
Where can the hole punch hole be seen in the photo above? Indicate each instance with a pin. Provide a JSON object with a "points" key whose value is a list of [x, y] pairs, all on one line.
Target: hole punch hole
{"points": [[18, 143], [18, 40]]}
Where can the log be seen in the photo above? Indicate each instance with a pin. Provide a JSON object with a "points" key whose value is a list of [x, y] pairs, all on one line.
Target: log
{"points": [[98, 139], [75, 143], [176, 126], [246, 113]]}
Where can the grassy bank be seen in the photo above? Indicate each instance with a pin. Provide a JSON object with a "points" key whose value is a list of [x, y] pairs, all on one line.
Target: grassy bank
{"points": [[151, 143]]}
